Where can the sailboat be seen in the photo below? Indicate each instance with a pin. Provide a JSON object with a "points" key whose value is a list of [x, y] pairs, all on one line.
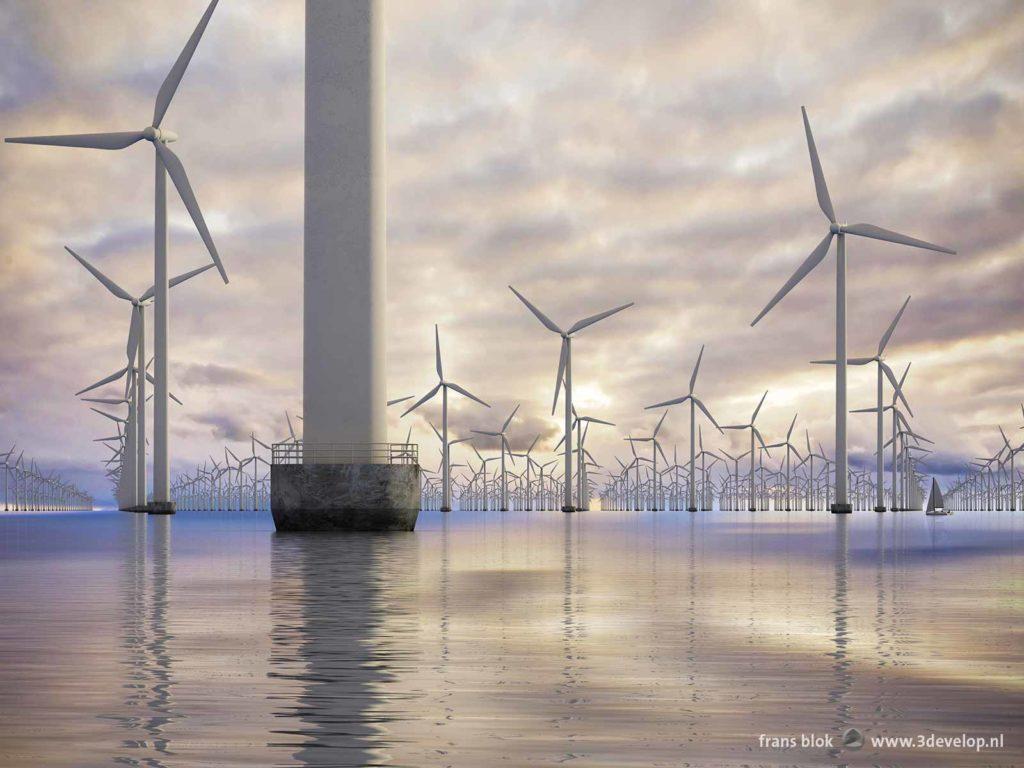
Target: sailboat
{"points": [[936, 506]]}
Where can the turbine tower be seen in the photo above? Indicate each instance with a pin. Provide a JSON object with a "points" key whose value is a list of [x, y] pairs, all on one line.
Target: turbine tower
{"points": [[344, 392], [349, 477]]}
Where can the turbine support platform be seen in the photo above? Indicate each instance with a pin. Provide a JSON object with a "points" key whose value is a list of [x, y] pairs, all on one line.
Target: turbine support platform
{"points": [[160, 508], [345, 487], [842, 509]]}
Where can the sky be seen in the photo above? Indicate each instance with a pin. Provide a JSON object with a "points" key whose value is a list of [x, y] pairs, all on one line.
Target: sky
{"points": [[588, 153]]}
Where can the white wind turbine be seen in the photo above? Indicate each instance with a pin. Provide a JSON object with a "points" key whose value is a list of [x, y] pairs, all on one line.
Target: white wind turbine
{"points": [[167, 163], [753, 453], [839, 232], [444, 386], [879, 409], [136, 351], [505, 448], [565, 372], [693, 402]]}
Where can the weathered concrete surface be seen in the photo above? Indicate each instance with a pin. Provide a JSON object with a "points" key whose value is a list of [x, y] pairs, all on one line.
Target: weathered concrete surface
{"points": [[159, 508], [345, 497]]}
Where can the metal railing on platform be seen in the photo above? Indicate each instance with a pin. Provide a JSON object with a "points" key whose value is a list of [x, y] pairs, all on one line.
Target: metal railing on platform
{"points": [[345, 453]]}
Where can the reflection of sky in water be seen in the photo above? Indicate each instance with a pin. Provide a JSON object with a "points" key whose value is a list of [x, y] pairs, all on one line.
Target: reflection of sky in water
{"points": [[622, 638]]}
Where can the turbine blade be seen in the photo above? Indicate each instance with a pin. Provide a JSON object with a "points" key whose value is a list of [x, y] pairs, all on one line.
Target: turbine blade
{"points": [[108, 415], [188, 275], [674, 401], [133, 336], [660, 422], [820, 188], [170, 84], [437, 353], [896, 386], [877, 233], [757, 410], [399, 400], [696, 367], [707, 413], [466, 393], [423, 399], [177, 173], [561, 372], [813, 260], [892, 327], [536, 312], [151, 380], [101, 382], [509, 419], [85, 140], [109, 284], [579, 326], [592, 420]]}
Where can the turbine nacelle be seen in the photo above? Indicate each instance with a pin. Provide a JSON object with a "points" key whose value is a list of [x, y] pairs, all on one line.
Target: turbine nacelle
{"points": [[162, 135]]}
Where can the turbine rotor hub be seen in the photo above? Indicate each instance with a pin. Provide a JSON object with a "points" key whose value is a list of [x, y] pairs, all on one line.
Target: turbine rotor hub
{"points": [[158, 134], [837, 229]]}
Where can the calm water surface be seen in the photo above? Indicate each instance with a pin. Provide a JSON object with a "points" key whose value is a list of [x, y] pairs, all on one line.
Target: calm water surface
{"points": [[613, 639]]}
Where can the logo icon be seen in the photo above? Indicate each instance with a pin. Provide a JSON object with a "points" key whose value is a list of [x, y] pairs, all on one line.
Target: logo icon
{"points": [[853, 739]]}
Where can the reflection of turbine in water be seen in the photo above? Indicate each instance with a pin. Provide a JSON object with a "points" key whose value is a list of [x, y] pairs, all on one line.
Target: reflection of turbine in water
{"points": [[144, 641], [158, 659], [841, 664], [691, 631], [881, 637], [445, 622], [332, 638], [571, 630]]}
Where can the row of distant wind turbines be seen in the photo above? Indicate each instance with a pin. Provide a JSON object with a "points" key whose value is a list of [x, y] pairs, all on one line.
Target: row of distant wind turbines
{"points": [[26, 487], [129, 454]]}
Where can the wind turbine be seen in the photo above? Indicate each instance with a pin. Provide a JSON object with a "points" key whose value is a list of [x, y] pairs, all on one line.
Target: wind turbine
{"points": [[839, 232], [565, 372], [444, 386], [753, 433], [166, 163], [879, 409], [655, 450], [693, 402], [503, 445], [790, 448], [137, 350]]}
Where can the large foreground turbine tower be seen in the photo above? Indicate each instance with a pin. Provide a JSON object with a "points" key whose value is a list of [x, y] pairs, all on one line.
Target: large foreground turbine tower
{"points": [[344, 393], [348, 475]]}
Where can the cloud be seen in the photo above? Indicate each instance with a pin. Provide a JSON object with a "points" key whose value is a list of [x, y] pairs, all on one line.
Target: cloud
{"points": [[214, 375]]}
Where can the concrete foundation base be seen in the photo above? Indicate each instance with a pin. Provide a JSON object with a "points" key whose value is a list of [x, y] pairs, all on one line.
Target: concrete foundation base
{"points": [[842, 509], [345, 497], [879, 509], [160, 508], [568, 509]]}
